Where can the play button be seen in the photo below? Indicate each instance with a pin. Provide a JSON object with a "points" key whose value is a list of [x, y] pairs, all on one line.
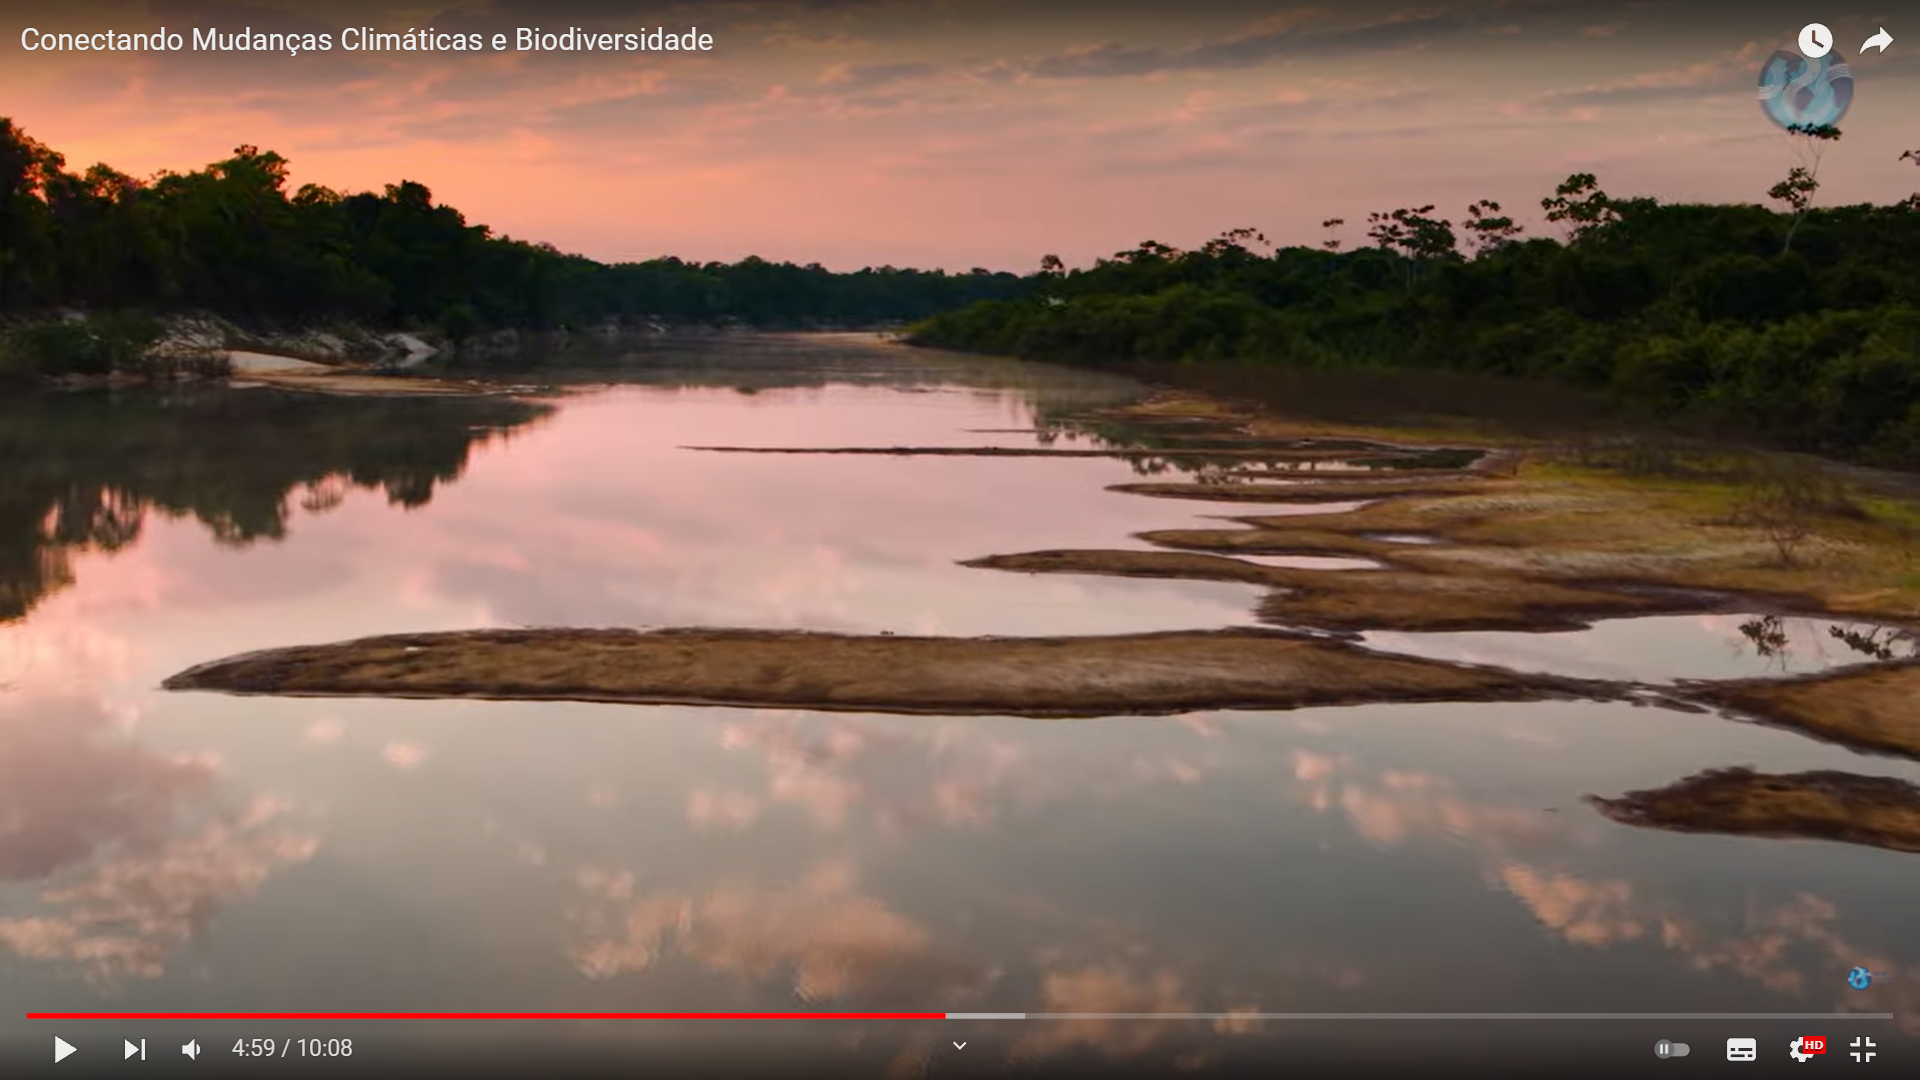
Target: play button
{"points": [[61, 1048]]}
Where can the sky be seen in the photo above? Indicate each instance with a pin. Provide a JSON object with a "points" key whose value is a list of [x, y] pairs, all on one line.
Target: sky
{"points": [[964, 133]]}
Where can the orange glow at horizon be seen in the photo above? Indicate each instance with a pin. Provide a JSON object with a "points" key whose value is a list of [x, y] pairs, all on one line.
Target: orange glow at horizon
{"points": [[900, 133]]}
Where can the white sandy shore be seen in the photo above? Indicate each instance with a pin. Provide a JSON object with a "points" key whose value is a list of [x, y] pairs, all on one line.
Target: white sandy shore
{"points": [[257, 362]]}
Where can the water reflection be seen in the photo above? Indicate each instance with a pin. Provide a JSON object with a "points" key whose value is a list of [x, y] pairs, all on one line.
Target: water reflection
{"points": [[66, 790], [85, 469], [113, 857], [515, 855], [1665, 648], [832, 939], [899, 783], [1525, 852]]}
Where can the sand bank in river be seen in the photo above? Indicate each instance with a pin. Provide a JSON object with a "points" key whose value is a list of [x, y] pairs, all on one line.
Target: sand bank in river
{"points": [[1172, 454], [361, 383], [1382, 599], [1872, 708], [1534, 513], [1135, 674], [1876, 811], [290, 373]]}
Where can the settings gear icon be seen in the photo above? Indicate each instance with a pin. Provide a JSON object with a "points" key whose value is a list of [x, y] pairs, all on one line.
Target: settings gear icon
{"points": [[1795, 1050]]}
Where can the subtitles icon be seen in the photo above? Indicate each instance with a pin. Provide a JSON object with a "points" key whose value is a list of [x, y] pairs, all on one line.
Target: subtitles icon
{"points": [[1743, 1049], [1807, 1046]]}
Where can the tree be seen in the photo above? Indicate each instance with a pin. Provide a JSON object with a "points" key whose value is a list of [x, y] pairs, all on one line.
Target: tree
{"points": [[1803, 180], [1796, 193], [1234, 240], [27, 168], [1412, 233], [1051, 265], [1148, 251], [1579, 207], [1332, 225], [1488, 229], [1387, 230]]}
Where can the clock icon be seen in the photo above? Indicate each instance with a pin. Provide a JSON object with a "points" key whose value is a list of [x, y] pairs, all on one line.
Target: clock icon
{"points": [[1816, 41]]}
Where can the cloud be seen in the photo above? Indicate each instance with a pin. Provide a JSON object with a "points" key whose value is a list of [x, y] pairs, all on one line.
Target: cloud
{"points": [[1114, 987], [69, 791], [821, 932], [1307, 34], [1768, 944], [120, 918], [404, 756], [868, 76], [1584, 912], [1728, 73], [835, 771], [1397, 806]]}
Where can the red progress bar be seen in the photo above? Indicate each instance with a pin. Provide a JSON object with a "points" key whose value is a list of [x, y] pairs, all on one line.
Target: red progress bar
{"points": [[483, 1016]]}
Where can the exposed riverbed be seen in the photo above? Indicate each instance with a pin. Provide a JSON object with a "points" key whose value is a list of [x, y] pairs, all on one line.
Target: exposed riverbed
{"points": [[461, 854]]}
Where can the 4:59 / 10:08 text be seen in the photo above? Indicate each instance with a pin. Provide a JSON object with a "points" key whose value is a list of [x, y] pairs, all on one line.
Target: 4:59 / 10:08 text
{"points": [[261, 1048]]}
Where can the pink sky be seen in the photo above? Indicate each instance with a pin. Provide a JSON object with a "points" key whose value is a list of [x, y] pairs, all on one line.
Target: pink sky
{"points": [[984, 133]]}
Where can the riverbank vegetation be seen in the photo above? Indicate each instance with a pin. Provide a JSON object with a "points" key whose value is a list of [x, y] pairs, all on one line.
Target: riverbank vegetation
{"points": [[1672, 523], [1689, 314], [235, 239]]}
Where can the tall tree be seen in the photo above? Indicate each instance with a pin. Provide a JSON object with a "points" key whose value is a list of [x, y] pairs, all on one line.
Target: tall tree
{"points": [[1332, 225], [1579, 207], [1415, 235], [1796, 192], [1488, 229]]}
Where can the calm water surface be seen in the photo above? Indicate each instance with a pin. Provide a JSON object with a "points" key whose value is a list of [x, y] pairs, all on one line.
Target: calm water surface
{"points": [[199, 852]]}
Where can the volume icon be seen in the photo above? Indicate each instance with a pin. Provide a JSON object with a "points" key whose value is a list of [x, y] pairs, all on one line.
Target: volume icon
{"points": [[192, 1050]]}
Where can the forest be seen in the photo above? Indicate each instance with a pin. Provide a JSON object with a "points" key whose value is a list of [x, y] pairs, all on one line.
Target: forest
{"points": [[1794, 323], [233, 240], [1798, 326]]}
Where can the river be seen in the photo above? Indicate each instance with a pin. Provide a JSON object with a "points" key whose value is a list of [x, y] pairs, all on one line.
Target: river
{"points": [[189, 852]]}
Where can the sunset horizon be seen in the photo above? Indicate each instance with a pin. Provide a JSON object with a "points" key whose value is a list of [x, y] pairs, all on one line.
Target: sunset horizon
{"points": [[920, 134]]}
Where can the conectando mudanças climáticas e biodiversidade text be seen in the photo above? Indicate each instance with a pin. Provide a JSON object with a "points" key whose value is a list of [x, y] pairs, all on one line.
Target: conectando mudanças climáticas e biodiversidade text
{"points": [[369, 39]]}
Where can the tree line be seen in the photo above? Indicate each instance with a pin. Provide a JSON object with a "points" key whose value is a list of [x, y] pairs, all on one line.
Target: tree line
{"points": [[1800, 326], [231, 238]]}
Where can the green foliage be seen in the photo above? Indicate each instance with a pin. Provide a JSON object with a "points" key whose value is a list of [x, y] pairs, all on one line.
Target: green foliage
{"points": [[1685, 311], [98, 346], [230, 238]]}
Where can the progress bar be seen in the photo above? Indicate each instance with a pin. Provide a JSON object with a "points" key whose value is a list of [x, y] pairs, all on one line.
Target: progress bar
{"points": [[944, 1016], [1419, 1015], [488, 1016]]}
